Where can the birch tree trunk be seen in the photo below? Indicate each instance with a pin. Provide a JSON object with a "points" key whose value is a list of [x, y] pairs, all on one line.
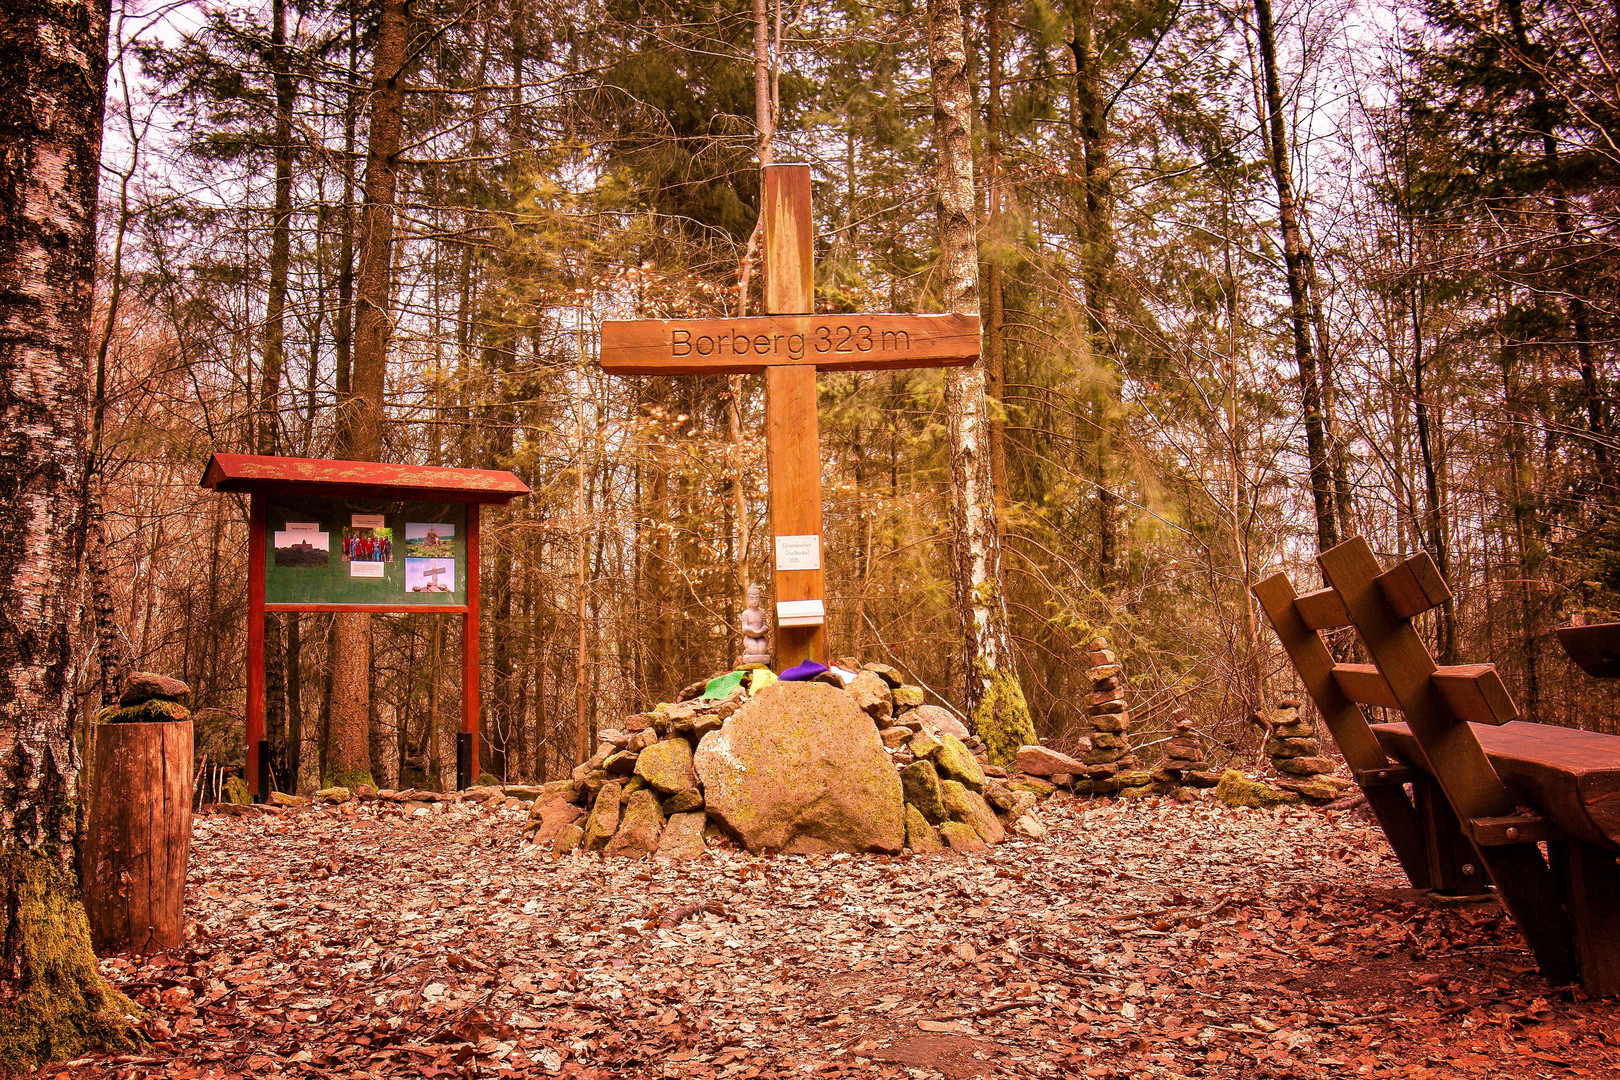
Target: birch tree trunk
{"points": [[995, 700], [360, 417], [53, 1002]]}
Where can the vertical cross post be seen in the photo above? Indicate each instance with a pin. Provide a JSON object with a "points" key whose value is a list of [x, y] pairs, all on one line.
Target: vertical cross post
{"points": [[791, 437]]}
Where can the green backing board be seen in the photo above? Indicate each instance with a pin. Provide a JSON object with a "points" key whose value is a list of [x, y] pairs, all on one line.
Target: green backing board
{"points": [[297, 573]]}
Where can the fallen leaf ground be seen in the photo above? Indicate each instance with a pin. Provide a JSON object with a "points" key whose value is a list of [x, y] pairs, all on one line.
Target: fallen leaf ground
{"points": [[1141, 939]]}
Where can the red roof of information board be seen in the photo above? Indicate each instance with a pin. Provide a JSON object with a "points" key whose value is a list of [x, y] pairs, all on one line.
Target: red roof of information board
{"points": [[359, 479]]}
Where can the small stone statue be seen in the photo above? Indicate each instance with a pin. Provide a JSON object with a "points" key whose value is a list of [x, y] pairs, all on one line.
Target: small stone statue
{"points": [[755, 626]]}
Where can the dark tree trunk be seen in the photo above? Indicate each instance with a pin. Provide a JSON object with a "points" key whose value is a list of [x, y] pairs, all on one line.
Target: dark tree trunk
{"points": [[53, 1002], [360, 415], [1310, 384]]}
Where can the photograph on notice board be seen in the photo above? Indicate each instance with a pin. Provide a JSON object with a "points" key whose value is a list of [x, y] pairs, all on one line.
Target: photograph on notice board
{"points": [[302, 544], [368, 545], [429, 575], [429, 540]]}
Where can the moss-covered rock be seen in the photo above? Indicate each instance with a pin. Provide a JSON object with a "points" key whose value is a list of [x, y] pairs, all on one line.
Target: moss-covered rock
{"points": [[568, 838], [604, 819], [970, 808], [640, 825], [281, 798], [61, 1008], [683, 802], [236, 791], [956, 762], [1038, 788], [1237, 790], [667, 766], [920, 783], [961, 838], [921, 837]]}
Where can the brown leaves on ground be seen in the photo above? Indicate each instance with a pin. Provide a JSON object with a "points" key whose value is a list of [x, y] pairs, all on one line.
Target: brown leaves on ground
{"points": [[1142, 939]]}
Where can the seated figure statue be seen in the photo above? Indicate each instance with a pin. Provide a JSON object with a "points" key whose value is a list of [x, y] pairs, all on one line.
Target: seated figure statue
{"points": [[755, 626]]}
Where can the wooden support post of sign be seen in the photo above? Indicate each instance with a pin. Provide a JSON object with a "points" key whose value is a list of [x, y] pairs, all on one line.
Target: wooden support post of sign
{"points": [[467, 739], [256, 756], [792, 445]]}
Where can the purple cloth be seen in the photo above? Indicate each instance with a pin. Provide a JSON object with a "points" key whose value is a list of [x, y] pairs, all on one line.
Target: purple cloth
{"points": [[803, 671]]}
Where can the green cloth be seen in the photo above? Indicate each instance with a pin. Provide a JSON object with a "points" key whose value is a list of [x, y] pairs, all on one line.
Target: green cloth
{"points": [[721, 686]]}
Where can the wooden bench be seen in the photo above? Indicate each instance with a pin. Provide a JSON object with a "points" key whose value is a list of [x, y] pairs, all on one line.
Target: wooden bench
{"points": [[1486, 790]]}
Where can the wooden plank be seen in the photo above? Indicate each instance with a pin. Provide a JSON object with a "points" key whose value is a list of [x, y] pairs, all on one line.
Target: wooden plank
{"points": [[1591, 883], [255, 641], [469, 644], [1571, 776], [1512, 829], [1365, 684], [1392, 775], [1413, 586], [375, 609], [792, 448], [1526, 884], [1595, 649], [1322, 610], [1453, 870], [794, 462], [834, 342], [358, 479], [1310, 657], [1474, 692]]}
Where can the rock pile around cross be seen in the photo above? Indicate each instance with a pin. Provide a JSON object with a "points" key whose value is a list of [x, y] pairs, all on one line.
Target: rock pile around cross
{"points": [[796, 767]]}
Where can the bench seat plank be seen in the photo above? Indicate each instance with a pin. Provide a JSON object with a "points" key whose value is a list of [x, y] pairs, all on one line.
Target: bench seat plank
{"points": [[1571, 776]]}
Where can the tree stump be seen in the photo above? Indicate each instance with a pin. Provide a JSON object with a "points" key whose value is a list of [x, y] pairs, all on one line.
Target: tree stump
{"points": [[139, 837]]}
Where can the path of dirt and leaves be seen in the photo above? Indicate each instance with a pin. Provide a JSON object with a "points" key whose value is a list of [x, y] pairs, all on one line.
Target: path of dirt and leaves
{"points": [[1145, 939]]}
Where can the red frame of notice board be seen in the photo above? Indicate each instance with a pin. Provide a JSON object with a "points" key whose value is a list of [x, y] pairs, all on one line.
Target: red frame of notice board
{"points": [[259, 476]]}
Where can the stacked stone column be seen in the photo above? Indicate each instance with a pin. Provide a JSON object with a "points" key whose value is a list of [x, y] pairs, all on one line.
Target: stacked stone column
{"points": [[1297, 756], [1110, 764], [1183, 765]]}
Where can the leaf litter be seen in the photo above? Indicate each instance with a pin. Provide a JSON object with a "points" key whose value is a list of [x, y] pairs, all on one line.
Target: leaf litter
{"points": [[1142, 938]]}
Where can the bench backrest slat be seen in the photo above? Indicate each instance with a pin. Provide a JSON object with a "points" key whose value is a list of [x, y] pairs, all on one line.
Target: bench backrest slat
{"points": [[1364, 684], [1475, 692], [1322, 610]]}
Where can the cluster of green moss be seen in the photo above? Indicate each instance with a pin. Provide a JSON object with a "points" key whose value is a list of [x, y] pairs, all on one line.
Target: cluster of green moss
{"points": [[1001, 718], [154, 711], [351, 779], [63, 1008]]}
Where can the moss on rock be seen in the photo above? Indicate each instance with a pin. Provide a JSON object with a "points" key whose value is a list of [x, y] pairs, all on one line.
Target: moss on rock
{"points": [[1001, 718], [65, 1008], [1237, 790]]}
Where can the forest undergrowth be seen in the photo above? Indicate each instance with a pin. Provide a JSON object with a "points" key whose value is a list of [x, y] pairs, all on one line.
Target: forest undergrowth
{"points": [[1145, 939]]}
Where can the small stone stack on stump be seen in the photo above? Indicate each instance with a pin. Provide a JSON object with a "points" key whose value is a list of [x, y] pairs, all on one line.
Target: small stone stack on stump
{"points": [[792, 767], [148, 698], [1183, 766], [1297, 756], [1111, 767]]}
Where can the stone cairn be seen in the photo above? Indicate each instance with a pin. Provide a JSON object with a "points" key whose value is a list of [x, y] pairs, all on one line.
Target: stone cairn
{"points": [[1110, 765], [643, 791], [1297, 756], [1183, 766]]}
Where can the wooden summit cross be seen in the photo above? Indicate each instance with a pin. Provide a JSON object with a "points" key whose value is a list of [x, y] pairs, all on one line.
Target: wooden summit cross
{"points": [[789, 344]]}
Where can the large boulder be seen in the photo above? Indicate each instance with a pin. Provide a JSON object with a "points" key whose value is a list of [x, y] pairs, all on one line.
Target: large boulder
{"points": [[800, 768], [667, 766], [1044, 761]]}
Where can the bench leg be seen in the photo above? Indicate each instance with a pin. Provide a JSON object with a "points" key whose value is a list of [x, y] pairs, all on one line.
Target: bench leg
{"points": [[1591, 879], [1454, 869]]}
